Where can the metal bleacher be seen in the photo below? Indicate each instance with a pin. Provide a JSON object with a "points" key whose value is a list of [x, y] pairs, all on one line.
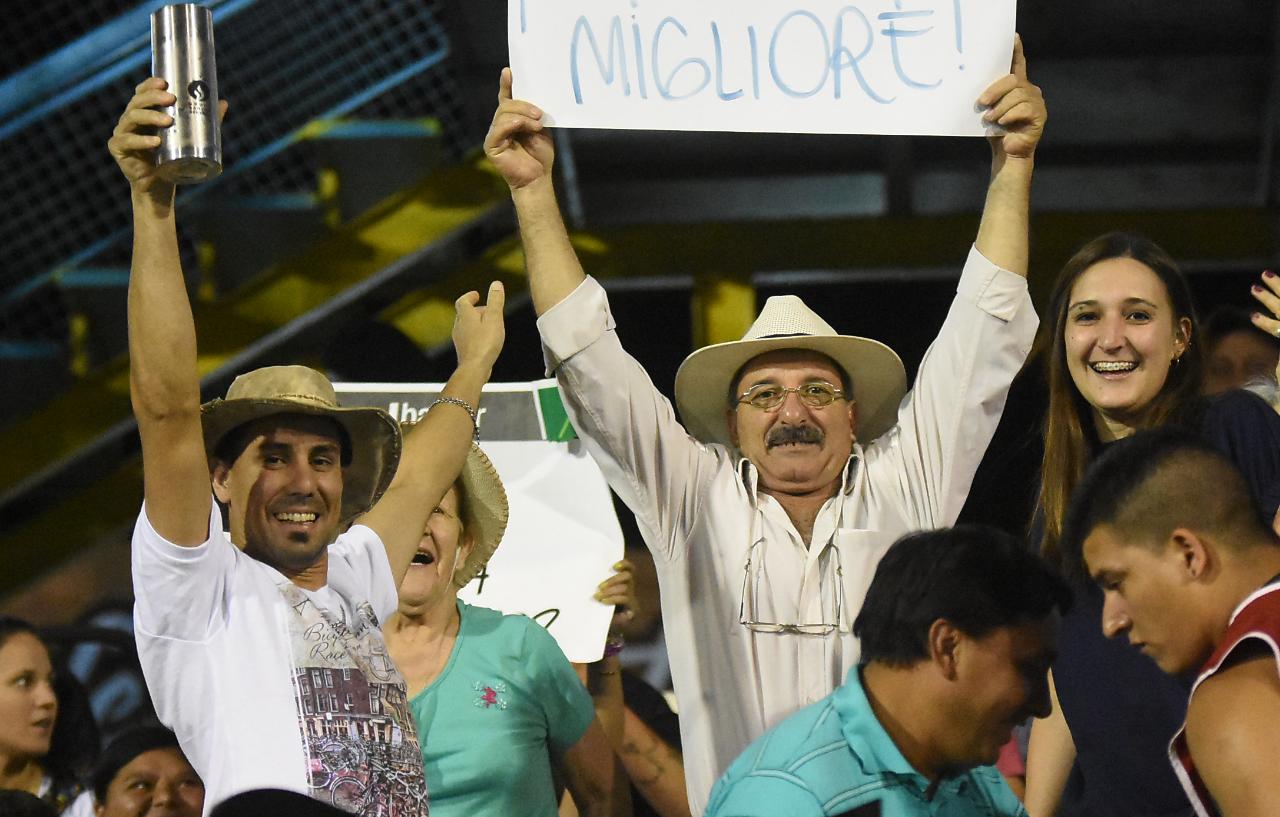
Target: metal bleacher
{"points": [[344, 184], [350, 198]]}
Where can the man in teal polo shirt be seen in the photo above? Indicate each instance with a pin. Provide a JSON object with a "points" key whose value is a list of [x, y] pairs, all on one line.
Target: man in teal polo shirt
{"points": [[958, 632]]}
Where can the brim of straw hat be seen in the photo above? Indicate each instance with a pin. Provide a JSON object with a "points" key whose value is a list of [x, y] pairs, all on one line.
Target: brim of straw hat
{"points": [[485, 513], [374, 436], [703, 381]]}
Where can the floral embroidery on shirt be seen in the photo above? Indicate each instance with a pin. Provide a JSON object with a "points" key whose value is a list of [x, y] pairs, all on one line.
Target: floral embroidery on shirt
{"points": [[490, 695]]}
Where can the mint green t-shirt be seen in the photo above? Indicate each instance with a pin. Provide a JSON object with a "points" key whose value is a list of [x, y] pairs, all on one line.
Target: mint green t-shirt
{"points": [[506, 703]]}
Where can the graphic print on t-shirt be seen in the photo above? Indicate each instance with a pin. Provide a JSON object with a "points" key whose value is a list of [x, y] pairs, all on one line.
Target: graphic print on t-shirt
{"points": [[353, 710]]}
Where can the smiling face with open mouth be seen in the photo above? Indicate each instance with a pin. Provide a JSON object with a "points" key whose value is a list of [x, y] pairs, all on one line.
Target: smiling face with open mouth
{"points": [[442, 549], [28, 705], [284, 491], [1120, 339]]}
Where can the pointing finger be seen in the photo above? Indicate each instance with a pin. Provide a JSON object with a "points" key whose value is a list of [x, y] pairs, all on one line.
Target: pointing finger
{"points": [[1019, 68], [504, 86], [497, 298]]}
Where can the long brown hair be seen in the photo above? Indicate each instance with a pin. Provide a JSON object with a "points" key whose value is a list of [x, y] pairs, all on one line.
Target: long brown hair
{"points": [[1069, 434]]}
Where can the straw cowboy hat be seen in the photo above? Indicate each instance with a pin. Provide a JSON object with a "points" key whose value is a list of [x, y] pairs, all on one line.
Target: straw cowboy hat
{"points": [[703, 381], [373, 434], [484, 513], [484, 510]]}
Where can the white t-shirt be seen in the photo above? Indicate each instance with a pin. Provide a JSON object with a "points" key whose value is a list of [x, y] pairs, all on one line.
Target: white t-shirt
{"points": [[257, 695]]}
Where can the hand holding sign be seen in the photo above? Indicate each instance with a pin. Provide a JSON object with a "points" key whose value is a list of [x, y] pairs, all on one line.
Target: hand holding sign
{"points": [[1017, 106], [516, 143], [620, 591]]}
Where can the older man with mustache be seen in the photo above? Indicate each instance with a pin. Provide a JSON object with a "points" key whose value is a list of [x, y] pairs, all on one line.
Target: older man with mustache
{"points": [[804, 456]]}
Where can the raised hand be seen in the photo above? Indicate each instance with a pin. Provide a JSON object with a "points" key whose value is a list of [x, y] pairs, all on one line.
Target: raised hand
{"points": [[1267, 293], [134, 140], [1017, 105], [517, 144], [479, 331], [619, 590]]}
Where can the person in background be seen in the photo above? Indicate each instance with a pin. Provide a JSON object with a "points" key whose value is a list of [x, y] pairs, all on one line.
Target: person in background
{"points": [[1235, 350], [501, 710], [1190, 575], [274, 803], [958, 631], [1125, 353], [39, 753], [642, 729], [14, 803], [143, 773]]}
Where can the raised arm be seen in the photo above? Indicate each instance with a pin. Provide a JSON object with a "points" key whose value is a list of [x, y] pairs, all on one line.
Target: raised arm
{"points": [[164, 384], [950, 416], [1017, 106], [436, 448], [1050, 755], [628, 427], [523, 153]]}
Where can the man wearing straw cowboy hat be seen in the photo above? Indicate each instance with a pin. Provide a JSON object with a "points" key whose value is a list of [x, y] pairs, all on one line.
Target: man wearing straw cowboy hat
{"points": [[802, 456], [262, 647]]}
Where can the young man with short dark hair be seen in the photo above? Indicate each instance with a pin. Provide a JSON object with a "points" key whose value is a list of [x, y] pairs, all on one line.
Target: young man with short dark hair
{"points": [[1190, 572]]}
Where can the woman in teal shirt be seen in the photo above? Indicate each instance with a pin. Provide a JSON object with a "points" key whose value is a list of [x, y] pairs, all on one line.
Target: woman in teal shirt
{"points": [[499, 707]]}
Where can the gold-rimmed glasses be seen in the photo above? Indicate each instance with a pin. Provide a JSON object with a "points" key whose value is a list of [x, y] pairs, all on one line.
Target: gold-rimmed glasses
{"points": [[820, 628], [814, 394]]}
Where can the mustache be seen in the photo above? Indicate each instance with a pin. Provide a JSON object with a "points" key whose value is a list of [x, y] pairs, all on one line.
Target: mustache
{"points": [[781, 435]]}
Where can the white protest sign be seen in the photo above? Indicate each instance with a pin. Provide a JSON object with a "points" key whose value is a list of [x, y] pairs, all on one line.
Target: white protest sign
{"points": [[563, 536], [795, 66]]}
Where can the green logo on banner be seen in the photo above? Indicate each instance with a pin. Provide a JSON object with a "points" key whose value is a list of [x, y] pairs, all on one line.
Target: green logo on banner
{"points": [[555, 420]]}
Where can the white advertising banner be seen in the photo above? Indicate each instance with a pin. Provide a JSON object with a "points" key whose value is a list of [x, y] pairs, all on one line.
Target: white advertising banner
{"points": [[797, 66], [563, 536]]}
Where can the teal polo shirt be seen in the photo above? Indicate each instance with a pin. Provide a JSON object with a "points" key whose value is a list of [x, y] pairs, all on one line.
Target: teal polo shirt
{"points": [[834, 758]]}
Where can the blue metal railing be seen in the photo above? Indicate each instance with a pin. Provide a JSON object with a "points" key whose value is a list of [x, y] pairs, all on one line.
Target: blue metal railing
{"points": [[120, 47], [282, 64]]}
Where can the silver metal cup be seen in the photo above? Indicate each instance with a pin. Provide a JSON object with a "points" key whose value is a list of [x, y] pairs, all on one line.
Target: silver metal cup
{"points": [[182, 53]]}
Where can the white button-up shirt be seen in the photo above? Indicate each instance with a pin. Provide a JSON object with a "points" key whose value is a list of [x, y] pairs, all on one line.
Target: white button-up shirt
{"points": [[703, 515]]}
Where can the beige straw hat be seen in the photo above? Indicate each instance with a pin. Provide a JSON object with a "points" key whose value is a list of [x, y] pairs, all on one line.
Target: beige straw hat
{"points": [[374, 436], [484, 512], [703, 381]]}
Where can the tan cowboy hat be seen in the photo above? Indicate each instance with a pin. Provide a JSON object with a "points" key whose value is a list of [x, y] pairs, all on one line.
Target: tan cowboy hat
{"points": [[484, 513], [703, 381], [374, 435]]}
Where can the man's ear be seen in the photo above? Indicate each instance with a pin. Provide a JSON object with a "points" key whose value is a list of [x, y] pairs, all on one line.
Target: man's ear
{"points": [[1195, 555], [853, 419], [944, 647], [218, 476]]}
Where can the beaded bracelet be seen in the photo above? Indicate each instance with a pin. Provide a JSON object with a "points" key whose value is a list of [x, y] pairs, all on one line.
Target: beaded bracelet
{"points": [[613, 645], [475, 420]]}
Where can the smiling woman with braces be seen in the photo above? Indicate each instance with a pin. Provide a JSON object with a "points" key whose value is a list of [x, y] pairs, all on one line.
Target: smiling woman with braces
{"points": [[1124, 354]]}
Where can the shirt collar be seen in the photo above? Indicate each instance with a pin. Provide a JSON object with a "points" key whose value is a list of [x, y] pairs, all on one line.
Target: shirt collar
{"points": [[868, 739], [864, 734], [750, 475]]}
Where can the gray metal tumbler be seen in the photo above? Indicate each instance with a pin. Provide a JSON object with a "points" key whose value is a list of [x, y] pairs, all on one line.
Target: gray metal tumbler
{"points": [[182, 53]]}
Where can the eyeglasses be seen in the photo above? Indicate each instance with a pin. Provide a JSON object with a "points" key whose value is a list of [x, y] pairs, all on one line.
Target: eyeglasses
{"points": [[768, 396], [822, 628]]}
